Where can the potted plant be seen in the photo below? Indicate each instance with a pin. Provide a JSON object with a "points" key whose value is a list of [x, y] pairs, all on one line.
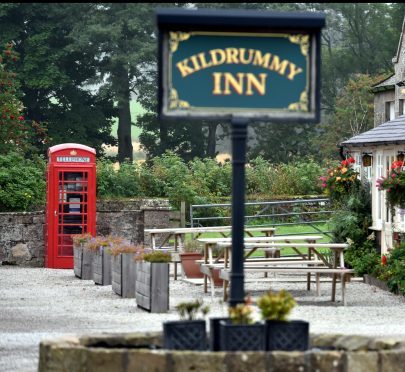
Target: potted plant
{"points": [[192, 251], [123, 267], [188, 333], [280, 333], [215, 334], [241, 332], [101, 259], [82, 257], [152, 280], [394, 185]]}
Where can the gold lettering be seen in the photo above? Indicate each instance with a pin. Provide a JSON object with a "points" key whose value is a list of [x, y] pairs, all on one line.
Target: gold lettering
{"points": [[277, 66], [195, 63], [217, 83], [261, 60], [293, 71], [237, 85], [184, 69], [214, 57], [232, 55], [243, 60], [260, 86], [203, 61]]}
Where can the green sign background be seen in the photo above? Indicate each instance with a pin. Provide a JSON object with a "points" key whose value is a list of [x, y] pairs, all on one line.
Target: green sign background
{"points": [[195, 91]]}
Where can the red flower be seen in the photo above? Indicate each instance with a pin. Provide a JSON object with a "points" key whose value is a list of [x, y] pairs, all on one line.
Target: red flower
{"points": [[344, 162], [383, 260], [11, 116], [21, 118], [351, 160]]}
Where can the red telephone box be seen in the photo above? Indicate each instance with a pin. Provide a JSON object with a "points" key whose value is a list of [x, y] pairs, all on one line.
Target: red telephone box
{"points": [[71, 201]]}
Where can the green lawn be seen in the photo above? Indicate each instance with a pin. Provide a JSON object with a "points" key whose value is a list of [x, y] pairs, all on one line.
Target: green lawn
{"points": [[280, 230]]}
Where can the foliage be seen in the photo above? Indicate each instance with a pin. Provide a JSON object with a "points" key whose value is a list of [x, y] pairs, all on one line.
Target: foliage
{"points": [[189, 310], [392, 269], [341, 181], [193, 246], [394, 185], [55, 75], [79, 239], [363, 258], [276, 306], [241, 313], [22, 183], [154, 256], [16, 133], [120, 245], [97, 242]]}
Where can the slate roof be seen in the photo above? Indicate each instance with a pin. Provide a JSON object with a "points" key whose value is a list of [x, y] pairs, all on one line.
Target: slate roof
{"points": [[385, 84], [391, 132]]}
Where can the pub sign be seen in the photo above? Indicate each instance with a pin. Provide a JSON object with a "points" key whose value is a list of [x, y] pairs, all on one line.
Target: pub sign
{"points": [[222, 64]]}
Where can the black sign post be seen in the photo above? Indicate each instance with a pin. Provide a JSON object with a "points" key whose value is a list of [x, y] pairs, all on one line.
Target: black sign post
{"points": [[241, 66]]}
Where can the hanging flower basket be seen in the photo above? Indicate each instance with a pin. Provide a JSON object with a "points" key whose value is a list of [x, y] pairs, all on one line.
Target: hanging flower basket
{"points": [[394, 185]]}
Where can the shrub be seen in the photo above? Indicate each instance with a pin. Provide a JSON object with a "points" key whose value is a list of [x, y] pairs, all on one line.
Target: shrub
{"points": [[276, 306], [22, 183], [189, 310]]}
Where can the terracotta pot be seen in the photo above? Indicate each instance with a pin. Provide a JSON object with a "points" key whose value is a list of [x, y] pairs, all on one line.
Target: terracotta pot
{"points": [[190, 267], [217, 280]]}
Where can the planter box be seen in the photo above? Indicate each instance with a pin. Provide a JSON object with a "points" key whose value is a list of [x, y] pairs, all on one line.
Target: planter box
{"points": [[368, 279], [185, 335], [215, 333], [287, 336], [123, 274], [152, 286], [102, 267], [83, 263], [242, 337]]}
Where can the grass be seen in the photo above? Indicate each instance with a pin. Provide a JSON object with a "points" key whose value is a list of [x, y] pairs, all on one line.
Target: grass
{"points": [[280, 230]]}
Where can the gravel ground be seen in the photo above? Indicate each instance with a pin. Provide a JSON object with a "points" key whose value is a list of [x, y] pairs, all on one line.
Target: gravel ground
{"points": [[37, 304]]}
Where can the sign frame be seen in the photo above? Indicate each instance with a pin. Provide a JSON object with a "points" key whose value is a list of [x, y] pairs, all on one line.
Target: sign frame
{"points": [[239, 22]]}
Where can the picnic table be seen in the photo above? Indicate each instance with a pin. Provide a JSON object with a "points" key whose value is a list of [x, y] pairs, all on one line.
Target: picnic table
{"points": [[305, 264], [178, 234], [208, 264]]}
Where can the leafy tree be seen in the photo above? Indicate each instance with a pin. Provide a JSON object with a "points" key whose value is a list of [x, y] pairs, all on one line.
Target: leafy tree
{"points": [[54, 75], [353, 114], [16, 133]]}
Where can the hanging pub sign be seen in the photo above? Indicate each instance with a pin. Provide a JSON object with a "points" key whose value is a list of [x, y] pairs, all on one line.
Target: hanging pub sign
{"points": [[256, 65]]}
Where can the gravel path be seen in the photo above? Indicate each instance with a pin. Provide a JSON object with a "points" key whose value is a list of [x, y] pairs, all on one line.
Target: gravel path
{"points": [[37, 304]]}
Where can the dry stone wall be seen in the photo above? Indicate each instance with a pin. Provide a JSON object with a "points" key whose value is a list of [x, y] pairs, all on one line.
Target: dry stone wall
{"points": [[22, 234]]}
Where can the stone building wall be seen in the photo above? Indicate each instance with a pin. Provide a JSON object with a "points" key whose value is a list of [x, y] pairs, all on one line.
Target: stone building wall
{"points": [[380, 100], [22, 233]]}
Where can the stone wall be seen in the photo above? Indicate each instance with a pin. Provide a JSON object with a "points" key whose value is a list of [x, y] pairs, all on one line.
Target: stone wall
{"points": [[380, 100], [22, 234], [140, 352]]}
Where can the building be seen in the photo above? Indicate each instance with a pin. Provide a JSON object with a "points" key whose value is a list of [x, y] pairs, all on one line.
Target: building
{"points": [[385, 143]]}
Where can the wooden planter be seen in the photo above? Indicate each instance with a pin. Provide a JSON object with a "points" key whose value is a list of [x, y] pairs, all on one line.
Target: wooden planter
{"points": [[83, 262], [152, 286], [123, 274], [102, 267]]}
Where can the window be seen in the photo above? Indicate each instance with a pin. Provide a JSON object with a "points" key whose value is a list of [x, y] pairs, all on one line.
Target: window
{"points": [[389, 111], [401, 107]]}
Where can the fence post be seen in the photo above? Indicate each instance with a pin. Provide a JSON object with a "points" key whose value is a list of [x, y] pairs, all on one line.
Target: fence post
{"points": [[182, 213]]}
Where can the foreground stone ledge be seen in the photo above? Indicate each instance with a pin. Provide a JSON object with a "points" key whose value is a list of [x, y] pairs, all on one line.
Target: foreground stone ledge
{"points": [[141, 352]]}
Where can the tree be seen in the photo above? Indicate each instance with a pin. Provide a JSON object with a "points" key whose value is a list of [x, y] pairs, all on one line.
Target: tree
{"points": [[16, 133], [353, 114], [123, 39], [54, 75]]}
